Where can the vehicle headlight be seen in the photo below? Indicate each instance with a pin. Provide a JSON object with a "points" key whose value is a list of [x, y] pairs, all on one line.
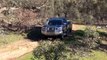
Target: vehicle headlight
{"points": [[44, 28]]}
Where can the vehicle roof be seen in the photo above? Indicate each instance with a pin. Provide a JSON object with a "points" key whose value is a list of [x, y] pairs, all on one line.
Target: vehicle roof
{"points": [[57, 18]]}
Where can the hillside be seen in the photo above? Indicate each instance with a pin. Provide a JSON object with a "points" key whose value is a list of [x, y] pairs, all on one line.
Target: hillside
{"points": [[27, 13], [21, 22]]}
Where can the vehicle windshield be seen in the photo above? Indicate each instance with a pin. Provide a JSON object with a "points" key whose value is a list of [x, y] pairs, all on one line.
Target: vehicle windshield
{"points": [[55, 22]]}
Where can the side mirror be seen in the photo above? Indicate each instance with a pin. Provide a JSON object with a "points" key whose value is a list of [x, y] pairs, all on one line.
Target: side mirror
{"points": [[68, 21]]}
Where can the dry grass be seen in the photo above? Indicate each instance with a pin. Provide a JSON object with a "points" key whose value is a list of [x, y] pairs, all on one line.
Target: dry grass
{"points": [[6, 39]]}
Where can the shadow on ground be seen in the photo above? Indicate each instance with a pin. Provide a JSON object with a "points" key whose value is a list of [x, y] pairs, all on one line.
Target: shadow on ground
{"points": [[103, 46], [35, 34], [103, 33]]}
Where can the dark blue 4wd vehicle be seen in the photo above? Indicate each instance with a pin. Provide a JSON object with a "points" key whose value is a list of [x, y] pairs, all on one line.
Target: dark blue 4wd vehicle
{"points": [[57, 27]]}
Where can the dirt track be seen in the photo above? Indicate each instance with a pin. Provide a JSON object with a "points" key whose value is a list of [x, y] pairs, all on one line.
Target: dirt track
{"points": [[17, 49]]}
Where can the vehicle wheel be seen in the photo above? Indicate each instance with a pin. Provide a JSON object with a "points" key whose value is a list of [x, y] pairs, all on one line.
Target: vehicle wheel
{"points": [[70, 30], [62, 36]]}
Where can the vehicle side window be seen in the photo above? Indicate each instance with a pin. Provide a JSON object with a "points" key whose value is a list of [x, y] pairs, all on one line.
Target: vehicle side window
{"points": [[64, 21]]}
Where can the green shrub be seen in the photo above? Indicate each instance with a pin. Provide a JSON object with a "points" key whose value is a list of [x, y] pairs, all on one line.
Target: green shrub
{"points": [[79, 33], [89, 33], [91, 38], [55, 50]]}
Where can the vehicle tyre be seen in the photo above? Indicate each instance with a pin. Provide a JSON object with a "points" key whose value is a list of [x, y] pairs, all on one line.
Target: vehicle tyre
{"points": [[62, 36], [69, 32]]}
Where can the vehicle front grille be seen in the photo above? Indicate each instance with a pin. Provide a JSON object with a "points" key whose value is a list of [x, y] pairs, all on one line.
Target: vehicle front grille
{"points": [[51, 29]]}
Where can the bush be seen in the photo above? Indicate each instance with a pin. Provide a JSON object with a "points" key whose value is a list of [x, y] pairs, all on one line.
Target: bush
{"points": [[79, 33], [89, 33], [55, 50], [91, 38]]}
